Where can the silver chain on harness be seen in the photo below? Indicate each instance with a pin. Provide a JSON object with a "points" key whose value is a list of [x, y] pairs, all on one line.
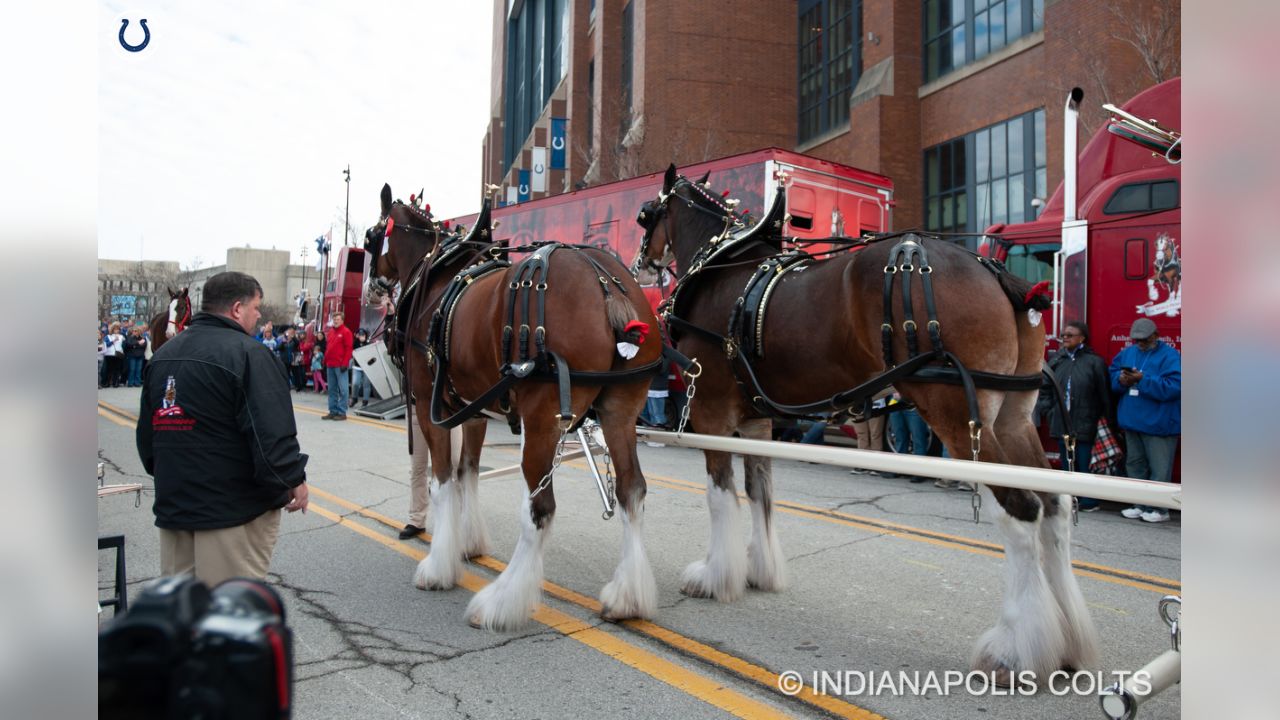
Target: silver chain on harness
{"points": [[975, 443], [690, 391], [555, 463]]}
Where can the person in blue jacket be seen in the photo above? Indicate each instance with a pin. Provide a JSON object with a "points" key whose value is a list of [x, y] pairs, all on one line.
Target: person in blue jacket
{"points": [[1148, 376]]}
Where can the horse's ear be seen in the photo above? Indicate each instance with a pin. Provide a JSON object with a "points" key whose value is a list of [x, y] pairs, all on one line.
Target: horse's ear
{"points": [[172, 294], [704, 178], [386, 199], [669, 180]]}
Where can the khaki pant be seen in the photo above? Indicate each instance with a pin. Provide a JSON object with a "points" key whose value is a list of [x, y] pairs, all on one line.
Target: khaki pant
{"points": [[870, 433], [216, 555], [418, 477]]}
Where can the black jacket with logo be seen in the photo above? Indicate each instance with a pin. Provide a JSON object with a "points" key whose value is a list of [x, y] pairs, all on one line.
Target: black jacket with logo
{"points": [[216, 428], [1090, 393]]}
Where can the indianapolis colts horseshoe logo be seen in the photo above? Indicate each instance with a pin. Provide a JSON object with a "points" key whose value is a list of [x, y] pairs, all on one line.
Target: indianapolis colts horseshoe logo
{"points": [[146, 36]]}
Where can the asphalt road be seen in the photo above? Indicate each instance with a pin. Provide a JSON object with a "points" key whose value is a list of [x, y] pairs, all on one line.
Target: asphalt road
{"points": [[886, 576]]}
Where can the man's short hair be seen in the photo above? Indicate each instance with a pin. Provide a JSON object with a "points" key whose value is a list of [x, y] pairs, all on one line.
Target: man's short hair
{"points": [[226, 289], [1081, 326]]}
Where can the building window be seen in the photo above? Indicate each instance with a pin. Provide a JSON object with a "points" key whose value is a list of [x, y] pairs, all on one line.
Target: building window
{"points": [[628, 39], [958, 32], [591, 107], [986, 177], [830, 63], [537, 49], [946, 187]]}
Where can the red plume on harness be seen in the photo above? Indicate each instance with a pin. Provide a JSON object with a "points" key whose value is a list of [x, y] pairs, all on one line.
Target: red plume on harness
{"points": [[632, 337], [1040, 288]]}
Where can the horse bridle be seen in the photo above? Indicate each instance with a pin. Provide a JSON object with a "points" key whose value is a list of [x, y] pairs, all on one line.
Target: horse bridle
{"points": [[432, 230], [652, 212]]}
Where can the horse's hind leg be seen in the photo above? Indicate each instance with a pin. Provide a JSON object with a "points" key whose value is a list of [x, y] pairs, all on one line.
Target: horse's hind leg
{"points": [[632, 593], [766, 565], [508, 602], [723, 574], [1022, 445], [1030, 635], [442, 568], [474, 535]]}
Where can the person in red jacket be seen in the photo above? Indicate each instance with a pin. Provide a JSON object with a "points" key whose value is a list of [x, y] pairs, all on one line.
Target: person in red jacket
{"points": [[337, 361]]}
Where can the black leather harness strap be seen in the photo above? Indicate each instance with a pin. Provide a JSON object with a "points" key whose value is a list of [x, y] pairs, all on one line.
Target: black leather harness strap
{"points": [[529, 278]]}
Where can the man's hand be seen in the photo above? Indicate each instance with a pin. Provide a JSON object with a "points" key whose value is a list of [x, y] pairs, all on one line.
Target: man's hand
{"points": [[1130, 377], [297, 499]]}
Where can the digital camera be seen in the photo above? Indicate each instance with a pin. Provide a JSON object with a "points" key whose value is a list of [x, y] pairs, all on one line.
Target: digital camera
{"points": [[183, 651]]}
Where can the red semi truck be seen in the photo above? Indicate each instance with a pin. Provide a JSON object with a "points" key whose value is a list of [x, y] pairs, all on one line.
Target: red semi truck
{"points": [[1110, 238]]}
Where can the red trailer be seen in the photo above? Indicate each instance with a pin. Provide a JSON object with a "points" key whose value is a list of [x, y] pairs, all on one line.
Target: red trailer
{"points": [[823, 199]]}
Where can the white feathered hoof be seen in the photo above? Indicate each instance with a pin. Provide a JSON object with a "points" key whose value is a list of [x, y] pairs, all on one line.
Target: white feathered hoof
{"points": [[434, 572], [635, 596], [766, 569], [702, 580], [497, 611]]}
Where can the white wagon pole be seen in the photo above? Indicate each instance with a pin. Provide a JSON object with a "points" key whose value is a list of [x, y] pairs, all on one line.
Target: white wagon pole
{"points": [[1103, 487]]}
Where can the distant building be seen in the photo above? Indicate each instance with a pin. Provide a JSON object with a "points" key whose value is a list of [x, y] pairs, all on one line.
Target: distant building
{"points": [[138, 290], [129, 289], [959, 102]]}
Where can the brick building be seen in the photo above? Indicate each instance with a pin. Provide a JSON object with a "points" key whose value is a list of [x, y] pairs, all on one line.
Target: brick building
{"points": [[959, 101]]}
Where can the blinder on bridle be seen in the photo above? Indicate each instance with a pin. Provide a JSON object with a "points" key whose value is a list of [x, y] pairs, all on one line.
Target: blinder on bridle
{"points": [[650, 212]]}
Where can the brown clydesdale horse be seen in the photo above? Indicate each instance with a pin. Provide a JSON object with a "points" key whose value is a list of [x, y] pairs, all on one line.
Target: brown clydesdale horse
{"points": [[172, 321], [822, 335], [582, 325]]}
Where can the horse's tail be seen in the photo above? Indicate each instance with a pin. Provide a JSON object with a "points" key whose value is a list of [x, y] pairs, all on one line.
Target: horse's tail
{"points": [[1023, 294], [620, 312]]}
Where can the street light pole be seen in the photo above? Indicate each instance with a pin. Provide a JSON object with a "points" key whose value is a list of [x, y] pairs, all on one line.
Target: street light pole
{"points": [[346, 221]]}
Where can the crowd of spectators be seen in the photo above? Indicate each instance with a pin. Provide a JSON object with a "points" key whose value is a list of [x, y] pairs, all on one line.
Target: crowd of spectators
{"points": [[124, 349]]}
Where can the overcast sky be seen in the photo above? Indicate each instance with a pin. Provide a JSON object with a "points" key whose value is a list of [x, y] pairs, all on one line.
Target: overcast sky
{"points": [[234, 124]]}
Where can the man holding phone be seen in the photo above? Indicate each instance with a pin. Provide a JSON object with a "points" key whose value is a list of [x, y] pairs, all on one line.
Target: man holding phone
{"points": [[1148, 376]]}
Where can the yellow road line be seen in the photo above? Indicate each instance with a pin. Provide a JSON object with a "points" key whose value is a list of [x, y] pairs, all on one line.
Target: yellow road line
{"points": [[1128, 578], [687, 681], [115, 418], [764, 677], [353, 419]]}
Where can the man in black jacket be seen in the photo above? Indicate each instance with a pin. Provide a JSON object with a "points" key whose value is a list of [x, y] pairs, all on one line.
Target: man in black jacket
{"points": [[1086, 387], [216, 431]]}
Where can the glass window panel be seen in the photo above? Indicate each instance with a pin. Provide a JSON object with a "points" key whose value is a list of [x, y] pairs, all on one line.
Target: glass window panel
{"points": [[1013, 18], [982, 156], [999, 201], [981, 41], [1016, 156], [948, 215], [932, 174], [998, 156], [944, 53], [1017, 199], [957, 12], [1039, 137], [1037, 14], [1130, 198], [944, 180], [962, 210], [958, 164], [1164, 195], [1041, 190], [932, 221], [997, 26], [932, 19], [979, 5], [982, 204], [957, 46]]}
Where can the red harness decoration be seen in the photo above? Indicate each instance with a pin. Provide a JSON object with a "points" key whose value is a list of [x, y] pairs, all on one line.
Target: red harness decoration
{"points": [[640, 328], [181, 323], [1040, 288]]}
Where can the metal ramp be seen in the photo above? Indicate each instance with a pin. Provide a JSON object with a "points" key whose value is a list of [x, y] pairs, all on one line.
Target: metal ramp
{"points": [[385, 376], [388, 409]]}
